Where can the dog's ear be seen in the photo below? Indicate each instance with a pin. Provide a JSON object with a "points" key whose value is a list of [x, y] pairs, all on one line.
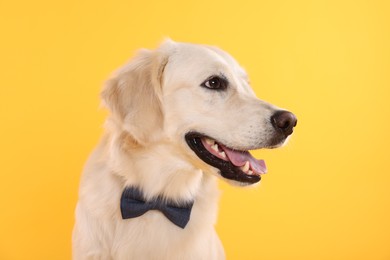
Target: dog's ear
{"points": [[134, 95]]}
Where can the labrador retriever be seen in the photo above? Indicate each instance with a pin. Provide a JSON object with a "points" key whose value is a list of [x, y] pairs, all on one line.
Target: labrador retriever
{"points": [[181, 116]]}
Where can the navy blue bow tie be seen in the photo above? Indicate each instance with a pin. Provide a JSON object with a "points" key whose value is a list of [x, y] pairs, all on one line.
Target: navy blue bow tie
{"points": [[134, 205]]}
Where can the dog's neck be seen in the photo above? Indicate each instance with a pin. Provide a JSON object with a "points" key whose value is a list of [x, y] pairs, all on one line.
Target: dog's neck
{"points": [[157, 171]]}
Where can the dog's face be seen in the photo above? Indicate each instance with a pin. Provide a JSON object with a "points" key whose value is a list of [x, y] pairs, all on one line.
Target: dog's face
{"points": [[198, 98]]}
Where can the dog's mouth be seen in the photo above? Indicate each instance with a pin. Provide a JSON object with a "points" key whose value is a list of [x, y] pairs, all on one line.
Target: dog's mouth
{"points": [[233, 164]]}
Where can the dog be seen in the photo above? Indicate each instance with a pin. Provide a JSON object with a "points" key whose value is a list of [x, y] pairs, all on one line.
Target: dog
{"points": [[181, 116]]}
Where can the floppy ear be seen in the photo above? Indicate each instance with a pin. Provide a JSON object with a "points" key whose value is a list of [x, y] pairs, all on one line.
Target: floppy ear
{"points": [[134, 95]]}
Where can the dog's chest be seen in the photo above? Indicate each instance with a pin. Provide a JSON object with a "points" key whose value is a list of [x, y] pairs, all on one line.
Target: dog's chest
{"points": [[153, 236]]}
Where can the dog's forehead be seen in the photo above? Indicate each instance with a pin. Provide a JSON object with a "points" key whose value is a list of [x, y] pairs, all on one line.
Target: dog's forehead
{"points": [[230, 60], [203, 61]]}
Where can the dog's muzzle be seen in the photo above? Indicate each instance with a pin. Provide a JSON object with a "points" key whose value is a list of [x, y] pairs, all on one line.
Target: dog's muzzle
{"points": [[237, 165]]}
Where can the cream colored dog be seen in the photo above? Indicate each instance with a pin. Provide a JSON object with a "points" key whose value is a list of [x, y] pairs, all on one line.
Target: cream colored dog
{"points": [[181, 116]]}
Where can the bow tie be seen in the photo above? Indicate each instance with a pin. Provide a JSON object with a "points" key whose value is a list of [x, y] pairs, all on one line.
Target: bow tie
{"points": [[134, 205]]}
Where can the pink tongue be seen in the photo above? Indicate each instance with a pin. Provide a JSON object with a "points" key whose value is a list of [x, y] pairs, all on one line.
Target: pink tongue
{"points": [[239, 158]]}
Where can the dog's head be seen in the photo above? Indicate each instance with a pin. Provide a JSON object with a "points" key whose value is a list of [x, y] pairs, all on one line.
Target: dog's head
{"points": [[198, 99]]}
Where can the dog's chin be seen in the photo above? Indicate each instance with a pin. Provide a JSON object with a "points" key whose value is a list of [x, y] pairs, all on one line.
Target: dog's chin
{"points": [[237, 167]]}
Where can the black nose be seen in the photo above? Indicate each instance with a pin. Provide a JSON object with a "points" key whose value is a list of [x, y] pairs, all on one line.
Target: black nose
{"points": [[284, 121]]}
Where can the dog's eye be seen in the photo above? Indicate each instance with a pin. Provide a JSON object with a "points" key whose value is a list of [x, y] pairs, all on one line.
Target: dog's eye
{"points": [[215, 83]]}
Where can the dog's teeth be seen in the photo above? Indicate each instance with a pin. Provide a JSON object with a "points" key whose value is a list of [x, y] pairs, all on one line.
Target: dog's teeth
{"points": [[223, 155], [209, 141], [245, 168], [250, 172], [215, 147]]}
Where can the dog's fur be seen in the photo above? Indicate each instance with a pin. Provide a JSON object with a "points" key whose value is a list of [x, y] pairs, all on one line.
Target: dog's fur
{"points": [[154, 101]]}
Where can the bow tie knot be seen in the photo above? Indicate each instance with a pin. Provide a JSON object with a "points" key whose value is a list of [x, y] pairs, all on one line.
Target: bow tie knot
{"points": [[134, 205]]}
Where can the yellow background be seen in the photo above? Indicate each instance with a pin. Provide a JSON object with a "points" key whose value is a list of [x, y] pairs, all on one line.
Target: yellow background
{"points": [[327, 194]]}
